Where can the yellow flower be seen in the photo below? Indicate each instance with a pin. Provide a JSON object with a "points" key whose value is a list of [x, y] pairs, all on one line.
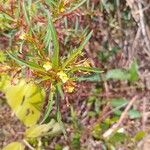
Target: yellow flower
{"points": [[63, 76], [23, 36], [47, 66], [69, 88], [62, 10]]}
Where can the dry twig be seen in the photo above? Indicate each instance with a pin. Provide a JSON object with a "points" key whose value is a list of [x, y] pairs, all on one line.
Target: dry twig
{"points": [[118, 124]]}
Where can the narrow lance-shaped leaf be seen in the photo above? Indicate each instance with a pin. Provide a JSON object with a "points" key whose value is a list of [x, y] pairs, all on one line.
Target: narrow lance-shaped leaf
{"points": [[39, 130], [25, 13], [51, 3], [52, 30], [59, 87], [49, 107], [78, 51], [28, 64], [87, 69], [92, 78], [76, 6], [59, 117]]}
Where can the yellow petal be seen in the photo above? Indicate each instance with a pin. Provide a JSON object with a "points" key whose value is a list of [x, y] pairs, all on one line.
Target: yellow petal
{"points": [[69, 89], [23, 36], [63, 76], [47, 66]]}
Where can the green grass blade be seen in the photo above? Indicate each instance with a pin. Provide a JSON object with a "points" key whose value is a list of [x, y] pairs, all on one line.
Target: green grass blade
{"points": [[51, 3], [76, 6], [87, 69], [52, 30], [25, 13], [49, 107], [58, 115], [28, 64], [60, 90], [77, 52]]}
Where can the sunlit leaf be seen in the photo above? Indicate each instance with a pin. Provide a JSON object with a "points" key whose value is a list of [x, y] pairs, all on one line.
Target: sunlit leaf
{"points": [[4, 81], [139, 135], [14, 146], [26, 100], [39, 130], [44, 129], [2, 56]]}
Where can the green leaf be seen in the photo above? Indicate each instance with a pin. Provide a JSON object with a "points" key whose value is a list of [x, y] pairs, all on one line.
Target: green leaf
{"points": [[51, 2], [96, 131], [77, 51], [76, 6], [2, 57], [60, 90], [118, 74], [49, 106], [118, 112], [26, 100], [87, 69], [92, 78], [134, 114], [14, 146], [42, 130], [119, 102], [139, 136], [57, 129], [58, 147], [117, 138], [25, 13], [28, 64], [134, 72], [52, 30], [3, 15]]}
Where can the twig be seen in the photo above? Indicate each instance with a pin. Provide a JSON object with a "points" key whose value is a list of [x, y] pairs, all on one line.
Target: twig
{"points": [[118, 124], [28, 145], [143, 28]]}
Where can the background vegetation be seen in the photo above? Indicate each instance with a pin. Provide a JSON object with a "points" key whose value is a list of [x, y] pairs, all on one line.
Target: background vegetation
{"points": [[74, 74]]}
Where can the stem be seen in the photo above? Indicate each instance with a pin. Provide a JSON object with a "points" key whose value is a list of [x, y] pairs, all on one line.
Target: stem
{"points": [[28, 145], [49, 107], [58, 113]]}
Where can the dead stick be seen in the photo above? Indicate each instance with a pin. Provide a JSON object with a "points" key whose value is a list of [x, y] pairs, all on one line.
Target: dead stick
{"points": [[118, 124]]}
